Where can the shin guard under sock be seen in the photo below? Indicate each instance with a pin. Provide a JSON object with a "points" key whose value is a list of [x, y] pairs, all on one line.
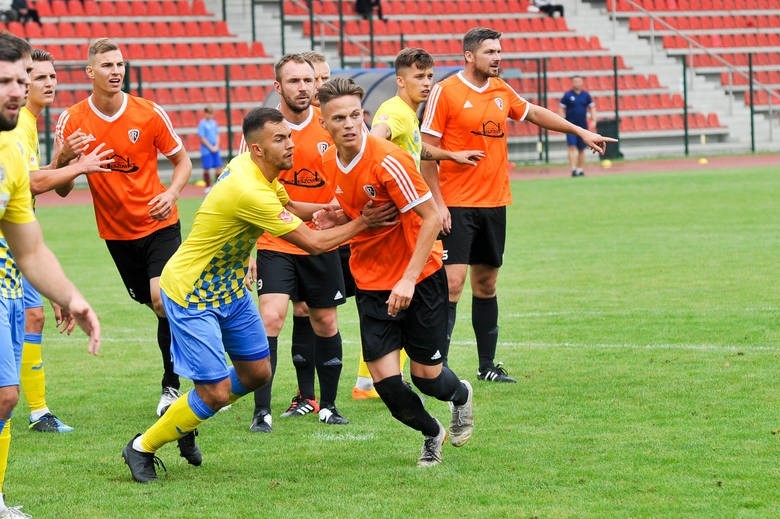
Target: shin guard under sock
{"points": [[327, 355], [405, 405], [446, 387], [263, 394], [303, 355], [484, 319], [170, 378]]}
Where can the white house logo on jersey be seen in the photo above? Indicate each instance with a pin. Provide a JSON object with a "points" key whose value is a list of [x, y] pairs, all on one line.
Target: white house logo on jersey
{"points": [[286, 217], [370, 191], [133, 135], [499, 103], [322, 146]]}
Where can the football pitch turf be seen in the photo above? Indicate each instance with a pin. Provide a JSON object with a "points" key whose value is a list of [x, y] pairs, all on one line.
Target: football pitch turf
{"points": [[640, 313]]}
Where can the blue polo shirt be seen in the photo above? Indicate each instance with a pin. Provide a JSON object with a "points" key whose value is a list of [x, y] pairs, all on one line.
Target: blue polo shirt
{"points": [[207, 128], [577, 107]]}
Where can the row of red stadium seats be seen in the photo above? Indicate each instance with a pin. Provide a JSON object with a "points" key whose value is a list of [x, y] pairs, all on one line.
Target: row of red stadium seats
{"points": [[509, 45], [729, 41], [121, 29], [166, 51], [739, 60], [442, 25], [698, 22], [767, 77], [210, 95], [419, 7], [695, 5], [638, 123], [762, 97], [197, 73], [180, 95], [63, 8], [592, 83]]}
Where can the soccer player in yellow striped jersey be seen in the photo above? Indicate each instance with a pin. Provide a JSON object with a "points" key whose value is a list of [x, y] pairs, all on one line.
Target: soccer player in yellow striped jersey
{"points": [[43, 83], [396, 120], [25, 252], [202, 285]]}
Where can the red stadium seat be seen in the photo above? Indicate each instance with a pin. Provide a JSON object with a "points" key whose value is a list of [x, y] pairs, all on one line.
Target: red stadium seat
{"points": [[199, 8]]}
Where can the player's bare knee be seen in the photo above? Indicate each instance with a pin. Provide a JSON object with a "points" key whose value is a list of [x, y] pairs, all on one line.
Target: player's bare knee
{"points": [[216, 396], [9, 396], [256, 374], [325, 322], [34, 320]]}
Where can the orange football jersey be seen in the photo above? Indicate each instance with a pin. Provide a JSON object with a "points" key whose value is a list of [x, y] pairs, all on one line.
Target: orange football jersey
{"points": [[306, 181], [136, 132], [469, 118], [382, 172]]}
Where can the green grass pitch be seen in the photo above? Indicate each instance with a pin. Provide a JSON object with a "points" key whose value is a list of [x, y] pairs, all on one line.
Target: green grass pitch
{"points": [[640, 313]]}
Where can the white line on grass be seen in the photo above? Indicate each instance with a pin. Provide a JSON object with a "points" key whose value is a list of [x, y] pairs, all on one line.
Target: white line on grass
{"points": [[511, 344], [701, 347], [352, 437]]}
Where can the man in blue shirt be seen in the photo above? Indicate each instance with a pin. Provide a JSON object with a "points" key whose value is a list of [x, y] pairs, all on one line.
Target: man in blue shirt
{"points": [[209, 146], [575, 105]]}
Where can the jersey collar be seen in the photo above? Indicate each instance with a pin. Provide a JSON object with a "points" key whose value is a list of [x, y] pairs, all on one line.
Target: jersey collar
{"points": [[346, 169], [105, 117], [471, 85], [304, 124]]}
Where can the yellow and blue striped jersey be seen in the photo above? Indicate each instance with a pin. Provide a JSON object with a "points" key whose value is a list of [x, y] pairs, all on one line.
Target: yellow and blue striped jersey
{"points": [[403, 124], [15, 207], [208, 269]]}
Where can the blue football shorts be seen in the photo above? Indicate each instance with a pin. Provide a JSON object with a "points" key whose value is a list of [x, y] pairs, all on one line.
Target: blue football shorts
{"points": [[11, 340], [210, 159], [201, 337], [32, 299]]}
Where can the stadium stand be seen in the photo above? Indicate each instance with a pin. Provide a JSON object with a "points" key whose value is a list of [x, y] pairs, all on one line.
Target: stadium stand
{"points": [[728, 28], [644, 103], [181, 54], [178, 51]]}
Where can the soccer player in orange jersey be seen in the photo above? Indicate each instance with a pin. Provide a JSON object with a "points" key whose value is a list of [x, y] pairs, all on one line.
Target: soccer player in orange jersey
{"points": [[321, 71], [469, 110], [136, 214], [401, 285], [286, 272]]}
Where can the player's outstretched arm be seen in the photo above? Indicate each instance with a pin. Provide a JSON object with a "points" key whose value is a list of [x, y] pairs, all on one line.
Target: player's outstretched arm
{"points": [[402, 292], [61, 179], [41, 268], [466, 157], [317, 242], [160, 207], [430, 173], [545, 118]]}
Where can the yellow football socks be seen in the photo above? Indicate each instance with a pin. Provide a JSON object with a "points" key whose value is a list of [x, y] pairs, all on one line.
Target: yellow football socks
{"points": [[178, 420], [5, 445], [32, 375]]}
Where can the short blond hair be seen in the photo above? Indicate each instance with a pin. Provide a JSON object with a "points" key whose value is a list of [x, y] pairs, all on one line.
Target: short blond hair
{"points": [[100, 46]]}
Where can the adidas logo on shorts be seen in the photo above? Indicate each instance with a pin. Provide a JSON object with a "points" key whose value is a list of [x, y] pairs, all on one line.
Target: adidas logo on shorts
{"points": [[436, 356]]}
